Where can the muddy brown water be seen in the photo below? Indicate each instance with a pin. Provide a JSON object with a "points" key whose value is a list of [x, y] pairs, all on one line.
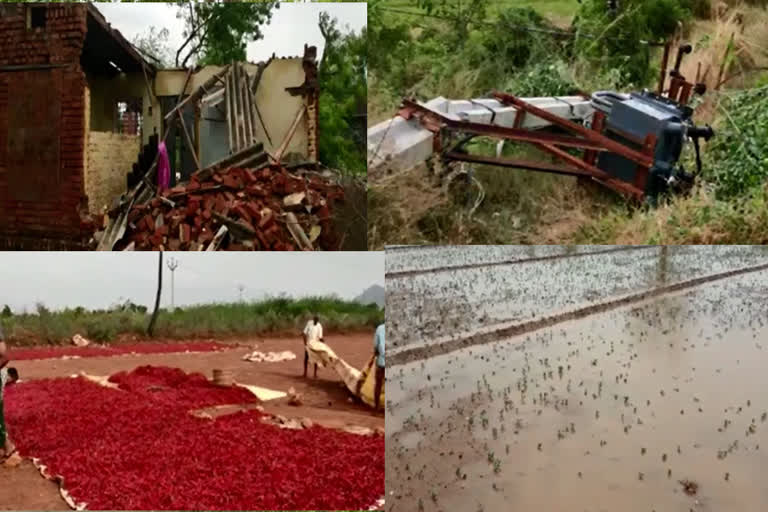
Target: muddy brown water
{"points": [[605, 413]]}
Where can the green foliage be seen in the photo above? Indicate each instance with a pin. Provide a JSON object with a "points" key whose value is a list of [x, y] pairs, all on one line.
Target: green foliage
{"points": [[154, 42], [219, 32], [739, 152], [431, 62], [389, 43], [543, 79], [7, 313], [343, 97], [460, 13], [272, 315], [613, 39], [512, 45]]}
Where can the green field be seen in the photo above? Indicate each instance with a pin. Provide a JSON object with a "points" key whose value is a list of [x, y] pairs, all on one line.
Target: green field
{"points": [[271, 316]]}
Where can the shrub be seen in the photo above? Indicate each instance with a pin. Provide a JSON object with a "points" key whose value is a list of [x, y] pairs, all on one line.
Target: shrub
{"points": [[739, 152], [614, 39]]}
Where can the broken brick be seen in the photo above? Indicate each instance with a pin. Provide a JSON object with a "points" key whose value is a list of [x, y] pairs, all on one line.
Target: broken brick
{"points": [[242, 212], [231, 182], [184, 233], [253, 198], [266, 218], [192, 208]]}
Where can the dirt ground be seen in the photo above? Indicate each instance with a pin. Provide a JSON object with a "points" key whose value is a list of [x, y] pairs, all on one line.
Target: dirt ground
{"points": [[325, 399]]}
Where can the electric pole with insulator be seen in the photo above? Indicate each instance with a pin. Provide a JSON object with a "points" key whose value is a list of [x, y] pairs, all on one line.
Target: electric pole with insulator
{"points": [[173, 264]]}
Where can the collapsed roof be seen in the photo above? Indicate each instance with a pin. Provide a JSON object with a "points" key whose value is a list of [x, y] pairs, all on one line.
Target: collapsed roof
{"points": [[106, 50]]}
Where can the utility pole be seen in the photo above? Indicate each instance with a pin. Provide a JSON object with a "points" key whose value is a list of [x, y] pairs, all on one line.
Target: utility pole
{"points": [[173, 264], [151, 327], [241, 288]]}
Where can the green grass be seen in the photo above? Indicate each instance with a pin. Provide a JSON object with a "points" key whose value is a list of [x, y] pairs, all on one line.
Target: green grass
{"points": [[270, 316], [553, 9], [556, 10], [700, 219]]}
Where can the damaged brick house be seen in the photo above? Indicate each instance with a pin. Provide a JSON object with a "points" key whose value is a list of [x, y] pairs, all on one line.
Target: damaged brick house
{"points": [[81, 110]]}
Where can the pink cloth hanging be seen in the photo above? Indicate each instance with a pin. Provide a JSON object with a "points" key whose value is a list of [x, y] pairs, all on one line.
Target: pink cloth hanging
{"points": [[163, 168]]}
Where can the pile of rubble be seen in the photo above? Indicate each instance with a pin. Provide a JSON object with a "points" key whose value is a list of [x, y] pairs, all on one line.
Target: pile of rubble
{"points": [[248, 200], [238, 209]]}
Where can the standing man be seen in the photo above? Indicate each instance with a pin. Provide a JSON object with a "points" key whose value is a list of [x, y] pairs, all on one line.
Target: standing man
{"points": [[378, 351], [313, 331], [8, 376]]}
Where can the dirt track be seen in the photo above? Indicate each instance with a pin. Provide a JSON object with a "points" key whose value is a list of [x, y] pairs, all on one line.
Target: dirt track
{"points": [[326, 401]]}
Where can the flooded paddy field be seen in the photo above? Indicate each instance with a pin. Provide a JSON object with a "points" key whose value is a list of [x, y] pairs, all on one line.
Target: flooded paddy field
{"points": [[656, 404], [406, 259], [427, 307]]}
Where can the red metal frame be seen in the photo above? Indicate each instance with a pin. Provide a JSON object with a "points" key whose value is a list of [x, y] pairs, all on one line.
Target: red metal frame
{"points": [[592, 141]]}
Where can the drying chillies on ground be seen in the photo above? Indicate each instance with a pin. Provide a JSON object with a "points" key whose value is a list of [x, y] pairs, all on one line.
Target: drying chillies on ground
{"points": [[261, 209], [139, 448], [22, 354], [179, 389]]}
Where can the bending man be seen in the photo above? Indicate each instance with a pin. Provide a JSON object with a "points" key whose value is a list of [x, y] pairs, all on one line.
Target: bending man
{"points": [[313, 331], [378, 350]]}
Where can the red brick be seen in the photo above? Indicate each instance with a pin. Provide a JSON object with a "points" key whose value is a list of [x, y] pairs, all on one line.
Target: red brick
{"points": [[249, 176], [221, 203], [232, 182], [205, 236], [192, 208], [242, 213], [253, 210], [267, 219], [184, 233]]}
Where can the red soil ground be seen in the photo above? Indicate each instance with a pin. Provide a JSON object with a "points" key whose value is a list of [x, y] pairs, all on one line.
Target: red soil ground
{"points": [[325, 400]]}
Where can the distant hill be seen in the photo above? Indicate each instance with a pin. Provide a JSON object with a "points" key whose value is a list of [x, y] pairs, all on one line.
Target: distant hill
{"points": [[373, 295]]}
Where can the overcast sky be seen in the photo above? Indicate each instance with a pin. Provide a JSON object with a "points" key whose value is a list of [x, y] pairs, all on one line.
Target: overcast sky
{"points": [[292, 24], [100, 279]]}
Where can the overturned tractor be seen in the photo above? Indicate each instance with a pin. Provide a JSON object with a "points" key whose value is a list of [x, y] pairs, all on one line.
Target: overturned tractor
{"points": [[630, 143]]}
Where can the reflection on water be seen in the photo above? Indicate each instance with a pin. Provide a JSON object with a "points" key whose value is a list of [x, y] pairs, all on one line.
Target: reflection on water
{"points": [[632, 409]]}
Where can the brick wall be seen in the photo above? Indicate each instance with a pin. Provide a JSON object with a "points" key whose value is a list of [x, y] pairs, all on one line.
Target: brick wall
{"points": [[312, 115], [110, 158], [42, 132]]}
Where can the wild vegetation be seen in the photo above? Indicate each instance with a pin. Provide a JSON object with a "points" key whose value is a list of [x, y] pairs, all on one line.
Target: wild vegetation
{"points": [[242, 319], [429, 48]]}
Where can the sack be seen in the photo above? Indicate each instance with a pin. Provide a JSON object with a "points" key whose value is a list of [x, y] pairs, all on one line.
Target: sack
{"points": [[360, 384]]}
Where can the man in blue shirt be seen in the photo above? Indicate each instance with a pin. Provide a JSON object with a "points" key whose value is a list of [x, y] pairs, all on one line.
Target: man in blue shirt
{"points": [[378, 350]]}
